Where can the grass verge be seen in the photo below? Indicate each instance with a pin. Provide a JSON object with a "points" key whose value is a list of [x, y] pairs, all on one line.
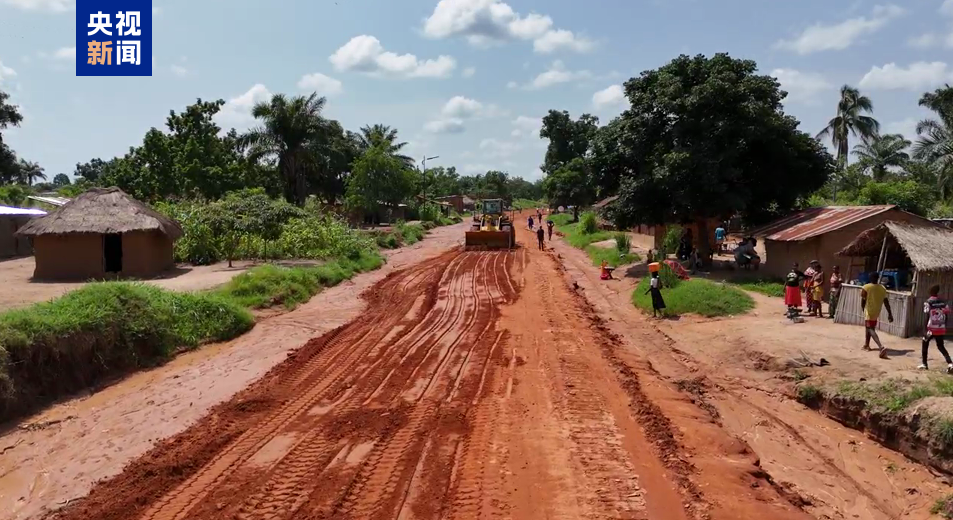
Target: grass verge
{"points": [[104, 329], [272, 285], [767, 287], [696, 296], [575, 235]]}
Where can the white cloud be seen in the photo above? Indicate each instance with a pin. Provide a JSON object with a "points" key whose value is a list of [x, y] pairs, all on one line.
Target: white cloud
{"points": [[6, 73], [931, 40], [512, 84], [609, 96], [469, 72], [525, 126], [556, 74], [947, 8], [63, 53], [323, 85], [916, 77], [485, 22], [906, 128], [460, 106], [366, 54], [802, 87], [237, 111], [493, 148], [445, 126], [472, 169], [820, 37], [53, 6], [179, 70]]}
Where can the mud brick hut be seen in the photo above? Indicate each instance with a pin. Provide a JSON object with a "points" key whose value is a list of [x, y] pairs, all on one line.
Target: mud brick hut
{"points": [[820, 233], [102, 233], [11, 220], [913, 257]]}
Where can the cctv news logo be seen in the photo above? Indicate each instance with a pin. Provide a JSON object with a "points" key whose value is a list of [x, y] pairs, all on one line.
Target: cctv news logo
{"points": [[114, 37]]}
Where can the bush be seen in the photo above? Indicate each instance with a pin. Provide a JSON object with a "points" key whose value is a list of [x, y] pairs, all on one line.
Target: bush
{"points": [[611, 256], [104, 329], [623, 242], [272, 285], [696, 296], [768, 287], [673, 236], [588, 224], [430, 213], [409, 233]]}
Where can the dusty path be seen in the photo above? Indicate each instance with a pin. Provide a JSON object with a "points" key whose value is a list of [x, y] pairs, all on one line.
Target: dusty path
{"points": [[55, 457], [475, 385]]}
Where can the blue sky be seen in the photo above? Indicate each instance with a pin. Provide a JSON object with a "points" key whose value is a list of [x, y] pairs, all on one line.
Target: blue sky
{"points": [[467, 80]]}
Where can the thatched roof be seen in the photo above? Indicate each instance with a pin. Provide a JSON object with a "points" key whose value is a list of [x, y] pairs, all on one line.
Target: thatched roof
{"points": [[930, 248], [102, 210]]}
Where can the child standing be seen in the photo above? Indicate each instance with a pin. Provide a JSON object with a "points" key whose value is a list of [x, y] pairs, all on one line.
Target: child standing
{"points": [[658, 303]]}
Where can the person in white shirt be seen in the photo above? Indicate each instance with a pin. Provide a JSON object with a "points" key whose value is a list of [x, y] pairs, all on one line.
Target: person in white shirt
{"points": [[658, 304]]}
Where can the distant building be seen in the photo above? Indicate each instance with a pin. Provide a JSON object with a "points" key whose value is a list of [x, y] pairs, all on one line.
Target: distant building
{"points": [[11, 220], [103, 232]]}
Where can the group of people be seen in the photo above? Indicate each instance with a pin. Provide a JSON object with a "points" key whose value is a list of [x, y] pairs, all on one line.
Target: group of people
{"points": [[811, 283], [540, 233]]}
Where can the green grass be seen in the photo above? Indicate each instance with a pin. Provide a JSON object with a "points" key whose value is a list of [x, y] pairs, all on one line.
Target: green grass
{"points": [[696, 296], [611, 256], [943, 507], [54, 348], [768, 287], [521, 204], [574, 234], [271, 285]]}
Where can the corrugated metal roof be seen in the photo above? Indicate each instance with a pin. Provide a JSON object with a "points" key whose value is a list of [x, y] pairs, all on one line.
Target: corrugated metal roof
{"points": [[55, 201], [813, 222], [8, 210]]}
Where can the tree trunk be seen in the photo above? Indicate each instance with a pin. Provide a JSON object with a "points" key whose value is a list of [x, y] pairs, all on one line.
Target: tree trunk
{"points": [[575, 213], [703, 242]]}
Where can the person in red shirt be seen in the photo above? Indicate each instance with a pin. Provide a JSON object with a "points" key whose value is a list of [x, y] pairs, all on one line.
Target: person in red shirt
{"points": [[937, 312]]}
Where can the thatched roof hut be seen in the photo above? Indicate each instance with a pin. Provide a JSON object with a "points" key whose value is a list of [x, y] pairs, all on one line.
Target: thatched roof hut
{"points": [[913, 257], [102, 232]]}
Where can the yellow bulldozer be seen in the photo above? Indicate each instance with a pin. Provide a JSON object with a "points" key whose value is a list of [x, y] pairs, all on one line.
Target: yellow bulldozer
{"points": [[492, 228]]}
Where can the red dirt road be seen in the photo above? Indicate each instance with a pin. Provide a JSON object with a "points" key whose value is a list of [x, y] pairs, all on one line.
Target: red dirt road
{"points": [[475, 385]]}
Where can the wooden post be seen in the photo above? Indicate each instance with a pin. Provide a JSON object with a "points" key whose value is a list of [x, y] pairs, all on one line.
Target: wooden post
{"points": [[883, 250]]}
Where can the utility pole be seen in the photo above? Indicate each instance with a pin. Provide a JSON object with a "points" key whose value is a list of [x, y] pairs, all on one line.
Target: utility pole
{"points": [[428, 159]]}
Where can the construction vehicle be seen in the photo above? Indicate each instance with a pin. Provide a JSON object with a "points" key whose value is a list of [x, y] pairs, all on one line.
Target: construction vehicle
{"points": [[492, 228]]}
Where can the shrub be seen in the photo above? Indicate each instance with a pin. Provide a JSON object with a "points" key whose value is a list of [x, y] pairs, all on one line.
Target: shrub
{"points": [[623, 242], [673, 236], [430, 213], [104, 329], [588, 224]]}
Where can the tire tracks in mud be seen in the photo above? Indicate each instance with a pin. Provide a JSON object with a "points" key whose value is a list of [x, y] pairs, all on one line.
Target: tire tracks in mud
{"points": [[359, 423]]}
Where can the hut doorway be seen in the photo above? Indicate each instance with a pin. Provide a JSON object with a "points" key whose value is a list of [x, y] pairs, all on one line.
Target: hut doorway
{"points": [[112, 252]]}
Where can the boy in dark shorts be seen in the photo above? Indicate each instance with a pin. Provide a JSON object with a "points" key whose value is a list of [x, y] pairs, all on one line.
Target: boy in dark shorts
{"points": [[937, 312]]}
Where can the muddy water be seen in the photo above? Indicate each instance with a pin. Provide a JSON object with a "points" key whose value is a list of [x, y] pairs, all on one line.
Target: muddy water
{"points": [[55, 457]]}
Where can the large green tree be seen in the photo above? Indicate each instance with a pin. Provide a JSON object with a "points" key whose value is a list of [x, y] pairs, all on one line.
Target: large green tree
{"points": [[568, 139], [570, 185], [881, 153], [934, 145], [384, 138], [91, 171], [708, 138], [378, 177], [29, 172], [850, 119], [290, 132], [9, 116]]}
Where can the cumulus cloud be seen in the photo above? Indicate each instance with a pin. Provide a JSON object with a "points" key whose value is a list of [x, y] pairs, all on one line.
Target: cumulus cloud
{"points": [[445, 126], [365, 54], [323, 85], [612, 95], [557, 73], [487, 22], [932, 40], [493, 148], [525, 126], [906, 128], [469, 72], [52, 6], [6, 73], [822, 37], [237, 111], [802, 87], [63, 53], [918, 76]]}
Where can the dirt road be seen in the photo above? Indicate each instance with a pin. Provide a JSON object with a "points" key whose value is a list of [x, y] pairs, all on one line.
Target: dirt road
{"points": [[475, 384]]}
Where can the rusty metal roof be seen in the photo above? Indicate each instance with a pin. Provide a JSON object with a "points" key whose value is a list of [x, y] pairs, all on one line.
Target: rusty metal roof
{"points": [[814, 222]]}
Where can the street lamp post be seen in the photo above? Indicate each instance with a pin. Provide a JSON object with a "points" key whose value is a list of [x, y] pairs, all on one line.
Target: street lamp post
{"points": [[428, 159]]}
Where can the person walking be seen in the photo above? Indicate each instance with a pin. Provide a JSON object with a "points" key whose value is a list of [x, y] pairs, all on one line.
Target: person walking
{"points": [[836, 282], [720, 235], [937, 311], [549, 228], [873, 298], [540, 235], [658, 303], [817, 288], [529, 222]]}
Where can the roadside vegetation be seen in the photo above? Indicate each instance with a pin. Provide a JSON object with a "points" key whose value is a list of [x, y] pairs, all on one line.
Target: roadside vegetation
{"points": [[585, 233], [767, 287], [695, 296]]}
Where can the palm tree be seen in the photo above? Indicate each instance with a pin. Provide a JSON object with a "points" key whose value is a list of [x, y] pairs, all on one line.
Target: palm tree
{"points": [[880, 153], [850, 120], [385, 137], [935, 143], [29, 172], [290, 133]]}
